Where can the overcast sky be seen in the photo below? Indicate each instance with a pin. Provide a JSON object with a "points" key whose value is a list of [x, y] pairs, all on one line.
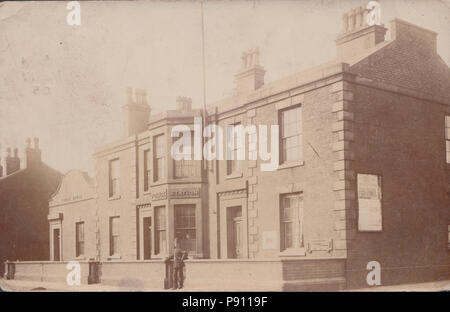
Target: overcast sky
{"points": [[66, 84]]}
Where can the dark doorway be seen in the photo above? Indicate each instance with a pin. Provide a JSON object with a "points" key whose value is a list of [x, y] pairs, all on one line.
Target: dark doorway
{"points": [[56, 243], [147, 223], [235, 232]]}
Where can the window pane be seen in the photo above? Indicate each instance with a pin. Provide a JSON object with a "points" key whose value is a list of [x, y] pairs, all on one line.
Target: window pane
{"points": [[288, 235], [79, 244], [114, 235], [114, 168], [160, 242], [185, 226], [113, 177], [159, 147], [147, 169], [80, 231], [160, 216], [291, 215], [185, 168], [291, 139], [233, 164]]}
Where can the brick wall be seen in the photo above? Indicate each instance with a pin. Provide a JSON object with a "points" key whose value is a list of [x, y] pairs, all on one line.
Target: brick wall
{"points": [[121, 205], [402, 139], [400, 96]]}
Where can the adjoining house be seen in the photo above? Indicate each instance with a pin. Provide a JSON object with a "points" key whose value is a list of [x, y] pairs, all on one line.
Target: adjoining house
{"points": [[72, 209], [24, 195], [364, 176]]}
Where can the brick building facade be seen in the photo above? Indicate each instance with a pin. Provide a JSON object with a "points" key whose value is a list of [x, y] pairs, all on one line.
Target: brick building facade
{"points": [[364, 170], [24, 195]]}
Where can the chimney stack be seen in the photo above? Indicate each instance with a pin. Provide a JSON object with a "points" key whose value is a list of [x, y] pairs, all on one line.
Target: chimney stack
{"points": [[184, 103], [32, 155], [251, 74], [357, 35], [12, 162], [136, 113]]}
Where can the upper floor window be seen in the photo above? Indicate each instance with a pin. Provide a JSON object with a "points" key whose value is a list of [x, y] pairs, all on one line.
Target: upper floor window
{"points": [[114, 235], [79, 237], [447, 137], [291, 221], [147, 169], [114, 175], [291, 145], [186, 168], [252, 146], [233, 165], [160, 157]]}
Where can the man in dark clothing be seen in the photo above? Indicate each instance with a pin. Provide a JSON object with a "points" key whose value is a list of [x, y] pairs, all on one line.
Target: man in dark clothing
{"points": [[178, 257]]}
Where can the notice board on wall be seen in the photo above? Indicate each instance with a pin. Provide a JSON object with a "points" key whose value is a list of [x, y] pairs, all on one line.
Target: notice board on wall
{"points": [[369, 202]]}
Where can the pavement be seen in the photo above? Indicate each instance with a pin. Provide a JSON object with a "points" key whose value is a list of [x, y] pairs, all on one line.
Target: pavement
{"points": [[36, 286], [430, 286]]}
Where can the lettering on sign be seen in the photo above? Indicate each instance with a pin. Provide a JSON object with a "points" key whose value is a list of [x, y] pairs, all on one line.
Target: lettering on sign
{"points": [[185, 193], [159, 195], [320, 245], [72, 198]]}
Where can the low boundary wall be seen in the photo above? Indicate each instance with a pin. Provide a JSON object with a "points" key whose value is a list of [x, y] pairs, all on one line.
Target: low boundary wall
{"points": [[200, 274], [46, 271]]}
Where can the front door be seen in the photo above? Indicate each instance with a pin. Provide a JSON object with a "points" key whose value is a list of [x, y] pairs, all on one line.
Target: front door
{"points": [[56, 241], [235, 232], [147, 233]]}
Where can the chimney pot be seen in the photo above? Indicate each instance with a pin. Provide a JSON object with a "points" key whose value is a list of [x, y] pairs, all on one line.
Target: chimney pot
{"points": [[12, 163], [357, 36], [28, 142], [184, 103]]}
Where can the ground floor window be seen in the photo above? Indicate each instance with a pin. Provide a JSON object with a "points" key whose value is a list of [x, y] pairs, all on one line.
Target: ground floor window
{"points": [[185, 226], [114, 235], [79, 233], [160, 230], [291, 221]]}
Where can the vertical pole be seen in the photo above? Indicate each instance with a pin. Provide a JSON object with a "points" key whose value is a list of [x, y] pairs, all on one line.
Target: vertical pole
{"points": [[203, 77]]}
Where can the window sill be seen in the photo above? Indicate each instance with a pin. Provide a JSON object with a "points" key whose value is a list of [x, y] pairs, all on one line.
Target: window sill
{"points": [[115, 197], [291, 164], [293, 252], [81, 257], [115, 257], [234, 176], [159, 182]]}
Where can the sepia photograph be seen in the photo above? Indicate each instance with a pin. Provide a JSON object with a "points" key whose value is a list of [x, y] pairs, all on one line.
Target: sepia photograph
{"points": [[192, 147]]}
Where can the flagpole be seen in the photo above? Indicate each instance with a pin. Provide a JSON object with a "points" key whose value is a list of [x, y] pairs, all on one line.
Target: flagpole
{"points": [[203, 74]]}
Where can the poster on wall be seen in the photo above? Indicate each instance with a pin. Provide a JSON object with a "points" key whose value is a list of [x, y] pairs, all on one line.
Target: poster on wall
{"points": [[369, 202], [269, 240]]}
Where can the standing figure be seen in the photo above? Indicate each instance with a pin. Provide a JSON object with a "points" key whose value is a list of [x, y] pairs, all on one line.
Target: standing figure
{"points": [[178, 256]]}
